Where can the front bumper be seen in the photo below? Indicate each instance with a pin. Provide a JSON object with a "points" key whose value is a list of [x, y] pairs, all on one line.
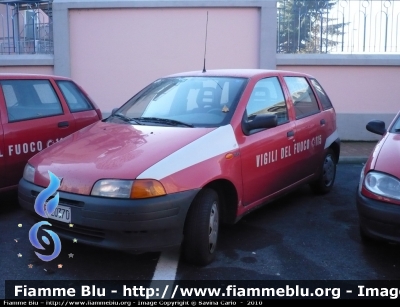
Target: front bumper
{"points": [[378, 220], [142, 225]]}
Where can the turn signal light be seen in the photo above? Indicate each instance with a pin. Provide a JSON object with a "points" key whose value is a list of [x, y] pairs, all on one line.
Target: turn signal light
{"points": [[146, 188]]}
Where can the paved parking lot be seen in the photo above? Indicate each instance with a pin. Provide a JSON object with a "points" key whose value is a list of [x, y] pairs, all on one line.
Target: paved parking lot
{"points": [[299, 237]]}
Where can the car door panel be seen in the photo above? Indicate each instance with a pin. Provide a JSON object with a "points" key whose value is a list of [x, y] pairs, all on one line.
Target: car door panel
{"points": [[35, 119], [267, 154], [266, 162], [84, 118], [307, 145], [2, 158], [309, 119], [20, 144], [78, 103]]}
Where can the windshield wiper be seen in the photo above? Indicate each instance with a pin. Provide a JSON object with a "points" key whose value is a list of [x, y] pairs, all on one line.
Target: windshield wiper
{"points": [[166, 121], [125, 118]]}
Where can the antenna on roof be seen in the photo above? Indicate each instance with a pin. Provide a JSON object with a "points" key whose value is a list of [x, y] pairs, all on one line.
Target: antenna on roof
{"points": [[205, 46]]}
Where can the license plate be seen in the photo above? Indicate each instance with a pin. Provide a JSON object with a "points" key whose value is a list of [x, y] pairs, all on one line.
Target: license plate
{"points": [[62, 214]]}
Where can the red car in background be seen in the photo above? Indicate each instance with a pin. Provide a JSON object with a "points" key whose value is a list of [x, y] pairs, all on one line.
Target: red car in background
{"points": [[36, 111], [378, 195]]}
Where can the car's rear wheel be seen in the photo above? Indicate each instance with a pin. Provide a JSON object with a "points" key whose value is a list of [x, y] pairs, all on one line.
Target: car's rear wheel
{"points": [[201, 229], [326, 179]]}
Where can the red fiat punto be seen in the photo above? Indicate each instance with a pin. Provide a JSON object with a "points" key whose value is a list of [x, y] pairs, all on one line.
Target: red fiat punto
{"points": [[187, 152], [378, 195], [35, 112]]}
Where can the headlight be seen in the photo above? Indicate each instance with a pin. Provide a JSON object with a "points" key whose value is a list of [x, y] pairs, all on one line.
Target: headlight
{"points": [[128, 188], [112, 188], [383, 185], [29, 173]]}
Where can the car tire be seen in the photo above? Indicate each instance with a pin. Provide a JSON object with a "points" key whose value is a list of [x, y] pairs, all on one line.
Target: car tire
{"points": [[201, 229], [325, 181]]}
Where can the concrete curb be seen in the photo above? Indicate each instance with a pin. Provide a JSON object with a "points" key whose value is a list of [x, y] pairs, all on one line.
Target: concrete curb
{"points": [[352, 159]]}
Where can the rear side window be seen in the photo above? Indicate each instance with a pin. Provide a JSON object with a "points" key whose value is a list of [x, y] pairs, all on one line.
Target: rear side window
{"points": [[304, 101], [29, 99], [322, 96], [76, 100]]}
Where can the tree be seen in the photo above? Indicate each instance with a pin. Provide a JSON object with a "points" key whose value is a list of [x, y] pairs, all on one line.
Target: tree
{"points": [[305, 26]]}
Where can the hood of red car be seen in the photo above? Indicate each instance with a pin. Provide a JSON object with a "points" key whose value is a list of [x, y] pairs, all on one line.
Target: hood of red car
{"points": [[109, 150], [389, 155]]}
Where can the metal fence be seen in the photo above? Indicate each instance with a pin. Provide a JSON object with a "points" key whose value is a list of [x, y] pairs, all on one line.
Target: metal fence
{"points": [[304, 26], [338, 26], [26, 27]]}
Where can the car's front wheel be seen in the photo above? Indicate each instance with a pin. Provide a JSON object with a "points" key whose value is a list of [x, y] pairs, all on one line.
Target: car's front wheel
{"points": [[201, 228], [326, 179]]}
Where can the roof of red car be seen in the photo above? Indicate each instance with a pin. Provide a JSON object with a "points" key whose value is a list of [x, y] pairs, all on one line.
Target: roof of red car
{"points": [[30, 76], [244, 73]]}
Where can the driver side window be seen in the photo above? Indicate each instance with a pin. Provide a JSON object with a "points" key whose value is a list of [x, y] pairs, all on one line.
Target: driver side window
{"points": [[267, 98]]}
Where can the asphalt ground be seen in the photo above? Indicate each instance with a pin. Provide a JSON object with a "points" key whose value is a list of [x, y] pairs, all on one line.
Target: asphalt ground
{"points": [[301, 236]]}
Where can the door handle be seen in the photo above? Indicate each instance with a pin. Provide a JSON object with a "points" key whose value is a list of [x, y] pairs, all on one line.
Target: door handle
{"points": [[322, 122], [290, 133], [63, 124]]}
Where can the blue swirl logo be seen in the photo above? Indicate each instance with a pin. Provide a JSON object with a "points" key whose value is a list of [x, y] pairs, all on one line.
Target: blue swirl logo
{"points": [[45, 208]]}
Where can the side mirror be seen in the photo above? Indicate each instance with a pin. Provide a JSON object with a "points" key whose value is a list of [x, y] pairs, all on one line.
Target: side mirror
{"points": [[376, 126], [262, 121]]}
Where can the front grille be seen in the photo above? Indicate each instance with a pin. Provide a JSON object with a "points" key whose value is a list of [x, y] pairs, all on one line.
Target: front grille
{"points": [[94, 234], [82, 230]]}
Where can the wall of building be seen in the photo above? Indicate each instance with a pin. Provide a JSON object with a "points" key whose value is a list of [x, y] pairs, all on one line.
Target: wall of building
{"points": [[126, 49], [46, 70], [25, 63], [361, 87]]}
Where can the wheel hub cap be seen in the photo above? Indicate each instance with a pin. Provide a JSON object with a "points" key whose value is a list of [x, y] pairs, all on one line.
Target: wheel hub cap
{"points": [[329, 170], [213, 227]]}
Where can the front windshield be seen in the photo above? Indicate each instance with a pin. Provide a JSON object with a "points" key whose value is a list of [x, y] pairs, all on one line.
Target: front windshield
{"points": [[184, 101]]}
